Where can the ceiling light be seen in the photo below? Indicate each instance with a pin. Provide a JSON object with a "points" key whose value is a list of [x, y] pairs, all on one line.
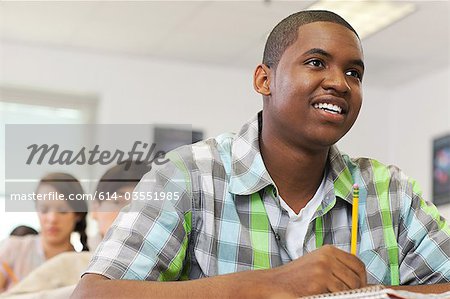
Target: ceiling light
{"points": [[367, 17]]}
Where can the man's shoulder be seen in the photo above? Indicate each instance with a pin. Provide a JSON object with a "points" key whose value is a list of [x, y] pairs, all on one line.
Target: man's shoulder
{"points": [[381, 175], [372, 165], [381, 169]]}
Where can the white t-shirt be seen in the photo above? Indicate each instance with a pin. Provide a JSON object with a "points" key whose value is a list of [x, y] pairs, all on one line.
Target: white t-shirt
{"points": [[298, 223]]}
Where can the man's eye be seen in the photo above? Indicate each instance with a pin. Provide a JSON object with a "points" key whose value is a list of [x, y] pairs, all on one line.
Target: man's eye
{"points": [[354, 73], [315, 62]]}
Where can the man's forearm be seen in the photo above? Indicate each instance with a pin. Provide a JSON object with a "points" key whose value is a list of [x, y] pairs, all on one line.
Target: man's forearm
{"points": [[223, 286], [327, 269]]}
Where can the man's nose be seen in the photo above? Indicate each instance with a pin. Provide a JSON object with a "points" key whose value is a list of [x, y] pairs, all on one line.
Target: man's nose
{"points": [[336, 80]]}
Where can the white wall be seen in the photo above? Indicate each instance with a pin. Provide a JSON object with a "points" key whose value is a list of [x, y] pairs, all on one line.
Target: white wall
{"points": [[419, 112], [372, 121], [138, 90]]}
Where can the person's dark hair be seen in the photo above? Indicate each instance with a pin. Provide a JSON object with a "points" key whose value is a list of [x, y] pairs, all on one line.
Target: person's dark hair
{"points": [[286, 32], [125, 174], [66, 184], [23, 230]]}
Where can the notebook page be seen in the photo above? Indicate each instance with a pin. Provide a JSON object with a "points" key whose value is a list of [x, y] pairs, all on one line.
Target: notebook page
{"points": [[373, 292], [379, 292]]}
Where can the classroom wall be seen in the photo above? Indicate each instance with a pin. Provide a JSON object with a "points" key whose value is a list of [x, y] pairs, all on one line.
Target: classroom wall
{"points": [[419, 112], [360, 141], [218, 99], [137, 89]]}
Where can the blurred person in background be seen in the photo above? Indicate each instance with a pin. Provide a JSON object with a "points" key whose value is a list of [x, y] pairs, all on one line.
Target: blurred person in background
{"points": [[57, 278], [114, 191], [57, 218]]}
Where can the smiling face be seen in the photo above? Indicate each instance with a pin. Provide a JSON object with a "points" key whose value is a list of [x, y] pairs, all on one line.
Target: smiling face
{"points": [[313, 97]]}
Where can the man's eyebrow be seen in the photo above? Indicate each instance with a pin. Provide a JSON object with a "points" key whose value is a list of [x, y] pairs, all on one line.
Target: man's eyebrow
{"points": [[317, 51], [359, 63], [322, 52]]}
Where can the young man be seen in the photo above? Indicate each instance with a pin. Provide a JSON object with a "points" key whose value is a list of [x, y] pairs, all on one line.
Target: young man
{"points": [[271, 197]]}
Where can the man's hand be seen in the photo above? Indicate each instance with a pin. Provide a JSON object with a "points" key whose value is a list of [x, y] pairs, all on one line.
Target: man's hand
{"points": [[324, 270], [327, 269]]}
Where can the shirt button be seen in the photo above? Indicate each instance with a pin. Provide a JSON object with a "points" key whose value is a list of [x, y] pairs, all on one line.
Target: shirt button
{"points": [[277, 237]]}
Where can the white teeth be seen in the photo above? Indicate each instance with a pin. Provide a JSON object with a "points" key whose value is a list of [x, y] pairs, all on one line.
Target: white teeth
{"points": [[329, 108]]}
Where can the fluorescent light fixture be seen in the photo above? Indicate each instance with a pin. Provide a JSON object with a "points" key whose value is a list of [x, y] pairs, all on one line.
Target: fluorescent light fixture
{"points": [[367, 17]]}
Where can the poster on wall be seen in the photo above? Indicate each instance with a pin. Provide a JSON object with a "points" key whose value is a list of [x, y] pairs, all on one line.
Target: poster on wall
{"points": [[441, 170]]}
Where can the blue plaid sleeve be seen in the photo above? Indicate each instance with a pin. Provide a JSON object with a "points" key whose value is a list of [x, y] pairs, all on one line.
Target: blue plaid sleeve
{"points": [[424, 241], [149, 238]]}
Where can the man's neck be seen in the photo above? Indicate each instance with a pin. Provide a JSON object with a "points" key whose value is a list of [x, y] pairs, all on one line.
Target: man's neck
{"points": [[296, 172]]}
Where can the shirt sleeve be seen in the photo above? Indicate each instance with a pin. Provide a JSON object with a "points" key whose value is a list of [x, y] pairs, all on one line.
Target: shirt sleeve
{"points": [[149, 238], [424, 241]]}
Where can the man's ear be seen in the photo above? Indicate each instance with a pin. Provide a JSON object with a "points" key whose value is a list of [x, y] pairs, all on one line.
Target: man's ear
{"points": [[261, 80]]}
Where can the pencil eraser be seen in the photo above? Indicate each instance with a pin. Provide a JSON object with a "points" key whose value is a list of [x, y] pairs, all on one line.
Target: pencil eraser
{"points": [[355, 186]]}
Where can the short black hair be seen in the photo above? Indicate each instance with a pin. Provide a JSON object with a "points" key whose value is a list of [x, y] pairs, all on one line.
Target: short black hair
{"points": [[285, 33]]}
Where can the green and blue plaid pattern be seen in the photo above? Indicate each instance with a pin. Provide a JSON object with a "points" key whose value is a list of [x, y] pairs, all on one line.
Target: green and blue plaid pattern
{"points": [[228, 218]]}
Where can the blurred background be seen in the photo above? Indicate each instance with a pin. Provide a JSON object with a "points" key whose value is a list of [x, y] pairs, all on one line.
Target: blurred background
{"points": [[192, 63]]}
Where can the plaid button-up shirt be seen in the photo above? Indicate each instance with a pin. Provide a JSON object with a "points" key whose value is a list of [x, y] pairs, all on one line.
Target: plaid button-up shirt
{"points": [[213, 209]]}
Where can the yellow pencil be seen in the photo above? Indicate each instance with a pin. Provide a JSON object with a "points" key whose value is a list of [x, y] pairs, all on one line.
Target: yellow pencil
{"points": [[10, 273], [355, 219]]}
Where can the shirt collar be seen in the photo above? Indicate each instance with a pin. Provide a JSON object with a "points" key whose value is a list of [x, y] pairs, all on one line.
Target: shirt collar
{"points": [[249, 174], [341, 168]]}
